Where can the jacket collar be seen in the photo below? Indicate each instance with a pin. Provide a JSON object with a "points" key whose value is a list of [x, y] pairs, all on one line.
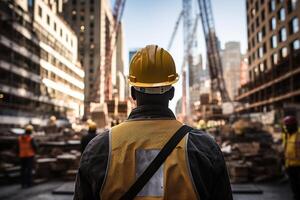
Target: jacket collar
{"points": [[151, 112]]}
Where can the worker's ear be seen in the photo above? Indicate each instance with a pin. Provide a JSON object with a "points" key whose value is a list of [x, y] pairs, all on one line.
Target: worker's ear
{"points": [[171, 93], [133, 93]]}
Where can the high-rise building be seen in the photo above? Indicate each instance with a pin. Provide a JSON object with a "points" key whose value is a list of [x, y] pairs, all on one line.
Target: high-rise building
{"points": [[195, 80], [39, 72], [93, 24], [231, 61], [273, 56]]}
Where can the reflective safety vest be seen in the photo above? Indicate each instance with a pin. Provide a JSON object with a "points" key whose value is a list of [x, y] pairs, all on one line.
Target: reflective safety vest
{"points": [[133, 145], [25, 147], [292, 150]]}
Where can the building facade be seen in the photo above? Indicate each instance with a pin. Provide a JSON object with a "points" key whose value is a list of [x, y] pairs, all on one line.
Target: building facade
{"points": [[94, 25], [273, 56], [231, 61], [39, 72]]}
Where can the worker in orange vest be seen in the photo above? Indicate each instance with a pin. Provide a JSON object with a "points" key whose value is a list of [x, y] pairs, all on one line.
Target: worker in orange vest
{"points": [[152, 155], [27, 149], [291, 143]]}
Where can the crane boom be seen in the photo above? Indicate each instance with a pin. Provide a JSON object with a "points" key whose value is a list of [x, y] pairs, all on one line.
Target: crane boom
{"points": [[175, 30], [213, 54]]}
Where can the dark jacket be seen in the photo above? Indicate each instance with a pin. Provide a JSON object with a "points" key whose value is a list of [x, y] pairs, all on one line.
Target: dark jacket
{"points": [[206, 161]]}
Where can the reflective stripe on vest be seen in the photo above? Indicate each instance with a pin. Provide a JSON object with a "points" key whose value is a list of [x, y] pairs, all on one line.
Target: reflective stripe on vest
{"points": [[133, 145], [292, 150], [25, 146]]}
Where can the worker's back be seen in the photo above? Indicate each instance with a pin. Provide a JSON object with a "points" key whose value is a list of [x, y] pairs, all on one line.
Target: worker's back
{"points": [[134, 144]]}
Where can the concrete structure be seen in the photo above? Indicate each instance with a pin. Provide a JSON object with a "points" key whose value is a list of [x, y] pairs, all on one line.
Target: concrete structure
{"points": [[93, 23], [231, 60], [273, 55], [39, 72]]}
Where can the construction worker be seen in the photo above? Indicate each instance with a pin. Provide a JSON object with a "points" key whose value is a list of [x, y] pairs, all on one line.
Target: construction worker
{"points": [[27, 149], [291, 143], [152, 155], [89, 136]]}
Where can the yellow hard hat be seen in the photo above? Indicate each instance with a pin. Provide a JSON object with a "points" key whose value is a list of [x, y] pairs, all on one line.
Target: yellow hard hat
{"points": [[29, 128], [152, 66], [92, 126]]}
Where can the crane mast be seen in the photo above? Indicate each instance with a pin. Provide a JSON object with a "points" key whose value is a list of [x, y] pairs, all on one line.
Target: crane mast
{"points": [[213, 54]]}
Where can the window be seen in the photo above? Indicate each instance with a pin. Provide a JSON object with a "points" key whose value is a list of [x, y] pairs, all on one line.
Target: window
{"points": [[257, 22], [273, 23], [82, 28], [282, 35], [262, 15], [67, 38], [294, 25], [275, 58], [262, 67], [283, 52], [274, 41], [272, 5], [71, 43], [296, 44], [281, 14], [48, 19], [292, 4], [260, 52], [54, 26], [259, 36], [61, 32], [40, 12]]}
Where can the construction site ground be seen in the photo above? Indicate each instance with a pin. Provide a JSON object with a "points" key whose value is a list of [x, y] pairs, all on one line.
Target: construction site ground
{"points": [[57, 190]]}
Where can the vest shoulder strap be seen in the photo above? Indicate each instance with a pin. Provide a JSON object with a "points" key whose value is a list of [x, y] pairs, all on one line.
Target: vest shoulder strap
{"points": [[156, 163]]}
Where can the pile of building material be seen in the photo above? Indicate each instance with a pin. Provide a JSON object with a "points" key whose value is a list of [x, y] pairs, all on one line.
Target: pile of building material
{"points": [[250, 153], [58, 156]]}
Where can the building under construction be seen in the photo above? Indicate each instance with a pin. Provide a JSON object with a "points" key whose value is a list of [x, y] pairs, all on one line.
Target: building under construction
{"points": [[39, 72], [273, 56]]}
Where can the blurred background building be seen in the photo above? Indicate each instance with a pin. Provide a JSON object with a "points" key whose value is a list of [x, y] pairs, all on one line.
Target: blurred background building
{"points": [[39, 72]]}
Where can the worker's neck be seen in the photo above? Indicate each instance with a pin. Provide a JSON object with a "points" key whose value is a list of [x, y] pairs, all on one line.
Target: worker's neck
{"points": [[161, 104]]}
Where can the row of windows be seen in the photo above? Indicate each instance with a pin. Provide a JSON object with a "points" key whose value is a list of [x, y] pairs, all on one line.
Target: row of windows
{"points": [[283, 53], [262, 50], [55, 28], [293, 28], [281, 14]]}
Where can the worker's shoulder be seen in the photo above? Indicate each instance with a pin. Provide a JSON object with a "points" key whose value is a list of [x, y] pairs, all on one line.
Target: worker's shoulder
{"points": [[202, 144], [98, 146]]}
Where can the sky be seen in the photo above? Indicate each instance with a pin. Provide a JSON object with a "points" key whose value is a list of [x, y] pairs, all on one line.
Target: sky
{"points": [[152, 22]]}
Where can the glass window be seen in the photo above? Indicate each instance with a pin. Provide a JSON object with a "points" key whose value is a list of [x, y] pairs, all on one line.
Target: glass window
{"points": [[273, 23], [281, 14], [296, 45], [40, 12], [61, 32], [261, 67], [283, 36], [295, 25], [48, 19], [275, 58], [54, 26], [261, 52], [259, 36], [274, 41], [294, 4], [272, 5], [283, 52]]}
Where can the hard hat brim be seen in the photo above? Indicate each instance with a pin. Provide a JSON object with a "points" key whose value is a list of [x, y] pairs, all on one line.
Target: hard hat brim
{"points": [[167, 83]]}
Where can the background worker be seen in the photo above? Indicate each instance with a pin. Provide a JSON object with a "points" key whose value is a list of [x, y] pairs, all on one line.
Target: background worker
{"points": [[27, 149], [114, 161], [89, 136], [291, 143]]}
